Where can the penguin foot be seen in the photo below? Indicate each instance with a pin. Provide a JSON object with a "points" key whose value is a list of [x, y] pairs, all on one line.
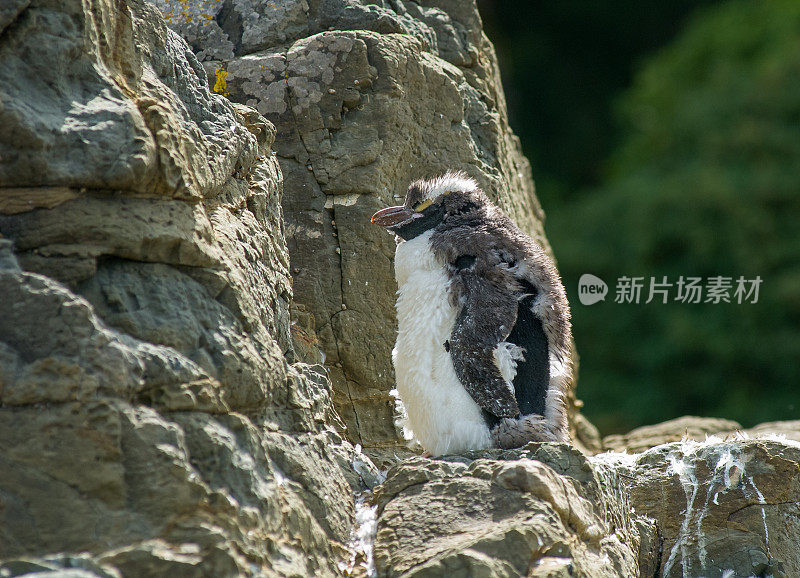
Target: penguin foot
{"points": [[516, 432]]}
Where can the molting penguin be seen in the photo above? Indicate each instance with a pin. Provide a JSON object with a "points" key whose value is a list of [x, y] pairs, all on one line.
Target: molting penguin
{"points": [[483, 347]]}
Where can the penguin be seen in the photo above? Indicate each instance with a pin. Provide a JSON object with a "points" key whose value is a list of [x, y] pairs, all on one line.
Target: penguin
{"points": [[482, 357]]}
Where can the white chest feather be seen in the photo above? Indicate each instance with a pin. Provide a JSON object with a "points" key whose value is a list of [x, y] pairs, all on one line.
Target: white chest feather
{"points": [[442, 415]]}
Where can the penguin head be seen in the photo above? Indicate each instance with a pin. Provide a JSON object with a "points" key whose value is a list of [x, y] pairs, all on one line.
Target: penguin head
{"points": [[433, 203]]}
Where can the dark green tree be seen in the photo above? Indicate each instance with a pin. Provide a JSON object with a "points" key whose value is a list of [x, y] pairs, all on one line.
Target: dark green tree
{"points": [[706, 182], [563, 64]]}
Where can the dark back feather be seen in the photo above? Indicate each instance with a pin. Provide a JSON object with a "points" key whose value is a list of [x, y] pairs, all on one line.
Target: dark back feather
{"points": [[533, 374]]}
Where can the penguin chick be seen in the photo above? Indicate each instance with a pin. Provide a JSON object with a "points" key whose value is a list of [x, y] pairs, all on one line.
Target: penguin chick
{"points": [[482, 356]]}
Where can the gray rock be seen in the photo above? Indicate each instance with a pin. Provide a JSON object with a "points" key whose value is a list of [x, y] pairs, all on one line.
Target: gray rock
{"points": [[789, 430], [697, 429], [69, 566], [139, 121], [162, 412], [153, 416], [712, 508], [540, 511]]}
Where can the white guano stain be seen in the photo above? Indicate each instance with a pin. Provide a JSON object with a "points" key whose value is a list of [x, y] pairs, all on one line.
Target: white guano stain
{"points": [[728, 466], [362, 539]]}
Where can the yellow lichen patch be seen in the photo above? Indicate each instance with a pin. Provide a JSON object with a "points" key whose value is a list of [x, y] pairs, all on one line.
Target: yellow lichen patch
{"points": [[221, 85]]}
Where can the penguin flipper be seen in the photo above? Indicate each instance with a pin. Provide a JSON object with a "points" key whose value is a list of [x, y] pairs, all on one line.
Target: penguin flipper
{"points": [[485, 319]]}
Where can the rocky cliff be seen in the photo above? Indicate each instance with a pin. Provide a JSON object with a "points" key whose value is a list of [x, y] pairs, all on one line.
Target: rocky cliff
{"points": [[191, 296], [150, 422], [721, 507]]}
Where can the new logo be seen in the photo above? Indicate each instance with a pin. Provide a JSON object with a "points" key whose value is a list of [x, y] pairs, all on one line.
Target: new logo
{"points": [[591, 289]]}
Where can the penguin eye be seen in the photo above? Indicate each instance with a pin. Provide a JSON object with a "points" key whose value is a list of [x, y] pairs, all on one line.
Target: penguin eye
{"points": [[423, 205]]}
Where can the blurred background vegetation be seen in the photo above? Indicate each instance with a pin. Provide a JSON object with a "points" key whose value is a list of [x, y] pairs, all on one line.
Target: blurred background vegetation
{"points": [[665, 141]]}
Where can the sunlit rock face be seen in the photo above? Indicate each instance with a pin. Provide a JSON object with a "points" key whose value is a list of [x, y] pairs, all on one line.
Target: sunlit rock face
{"points": [[713, 508], [152, 421], [682, 428], [544, 510]]}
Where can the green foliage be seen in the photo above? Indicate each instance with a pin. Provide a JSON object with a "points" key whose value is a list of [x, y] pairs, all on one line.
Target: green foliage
{"points": [[563, 64], [706, 182]]}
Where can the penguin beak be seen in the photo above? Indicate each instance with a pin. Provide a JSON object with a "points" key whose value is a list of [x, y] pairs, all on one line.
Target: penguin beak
{"points": [[393, 216]]}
